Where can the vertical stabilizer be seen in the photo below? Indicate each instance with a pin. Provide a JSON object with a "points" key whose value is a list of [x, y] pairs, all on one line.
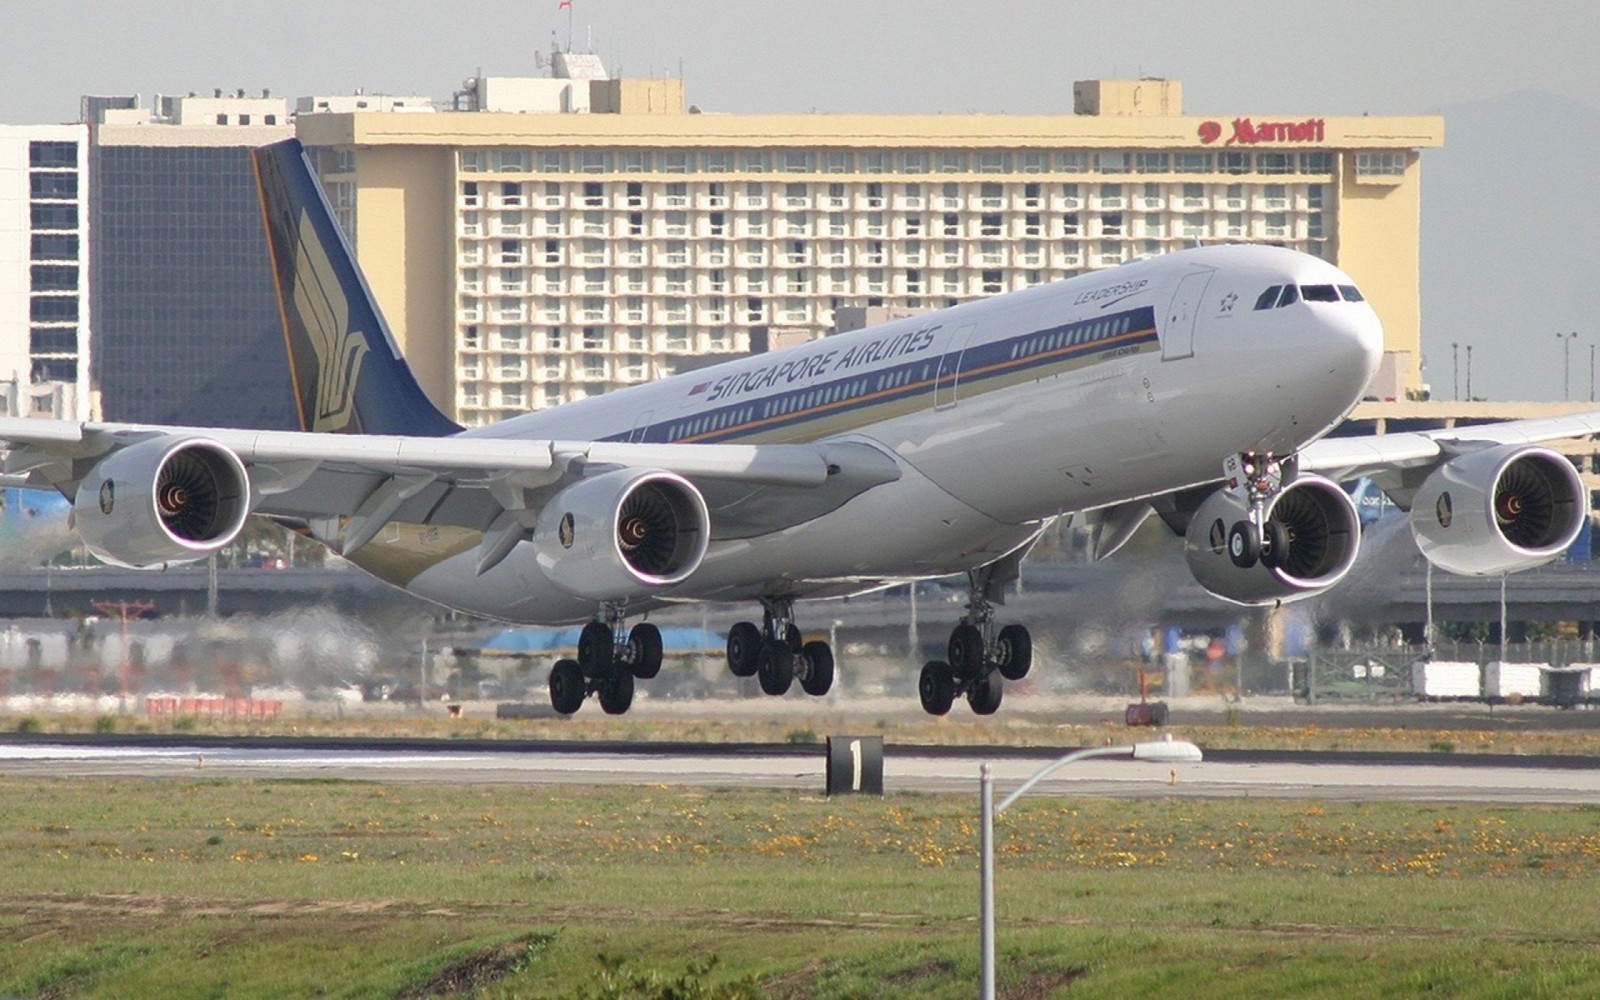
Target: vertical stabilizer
{"points": [[348, 374]]}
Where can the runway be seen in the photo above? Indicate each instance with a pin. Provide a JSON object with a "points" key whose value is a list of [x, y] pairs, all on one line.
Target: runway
{"points": [[1229, 774]]}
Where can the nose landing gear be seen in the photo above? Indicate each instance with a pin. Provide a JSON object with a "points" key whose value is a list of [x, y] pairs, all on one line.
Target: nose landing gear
{"points": [[1258, 538]]}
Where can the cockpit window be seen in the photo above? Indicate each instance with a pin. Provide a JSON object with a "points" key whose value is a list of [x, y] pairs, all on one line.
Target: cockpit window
{"points": [[1319, 293], [1269, 298], [1351, 293], [1291, 295]]}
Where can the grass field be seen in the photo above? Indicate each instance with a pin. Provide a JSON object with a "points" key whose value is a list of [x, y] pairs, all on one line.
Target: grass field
{"points": [[295, 889]]}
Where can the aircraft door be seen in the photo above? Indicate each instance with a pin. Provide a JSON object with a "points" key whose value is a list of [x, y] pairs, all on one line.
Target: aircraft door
{"points": [[947, 382], [1177, 334], [640, 426]]}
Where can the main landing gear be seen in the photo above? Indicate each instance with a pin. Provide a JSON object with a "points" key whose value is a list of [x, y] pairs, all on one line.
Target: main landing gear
{"points": [[776, 654], [609, 660], [979, 658], [1257, 538]]}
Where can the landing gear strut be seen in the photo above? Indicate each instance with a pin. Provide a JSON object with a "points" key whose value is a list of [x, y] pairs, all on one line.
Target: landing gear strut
{"points": [[1257, 539], [979, 656], [609, 660], [776, 653]]}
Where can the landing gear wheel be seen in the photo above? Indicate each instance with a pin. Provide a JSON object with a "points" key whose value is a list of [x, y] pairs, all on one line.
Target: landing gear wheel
{"points": [[819, 669], [793, 639], [616, 692], [1014, 652], [596, 649], [775, 669], [566, 687], [1274, 544], [937, 687], [1244, 547], [744, 649], [984, 695], [644, 639], [1158, 713], [966, 651]]}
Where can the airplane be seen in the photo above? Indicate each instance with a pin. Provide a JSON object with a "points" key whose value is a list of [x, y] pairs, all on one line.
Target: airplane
{"points": [[1198, 386]]}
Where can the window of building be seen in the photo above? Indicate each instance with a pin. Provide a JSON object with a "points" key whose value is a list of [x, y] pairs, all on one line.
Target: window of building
{"points": [[1380, 164], [952, 161], [1152, 163], [1316, 163], [54, 246], [1191, 163], [1072, 161], [222, 119], [796, 161], [46, 215], [514, 161], [54, 278], [993, 161], [677, 161], [836, 161], [914, 161], [1111, 162], [552, 161], [53, 185], [1033, 161], [1274, 163], [1071, 224], [593, 161], [45, 153], [874, 162], [1233, 162]]}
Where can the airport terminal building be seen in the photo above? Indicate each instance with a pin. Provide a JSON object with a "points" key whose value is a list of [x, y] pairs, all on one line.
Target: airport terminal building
{"points": [[556, 238]]}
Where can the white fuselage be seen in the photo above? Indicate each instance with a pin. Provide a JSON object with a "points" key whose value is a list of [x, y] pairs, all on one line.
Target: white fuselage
{"points": [[1113, 386]]}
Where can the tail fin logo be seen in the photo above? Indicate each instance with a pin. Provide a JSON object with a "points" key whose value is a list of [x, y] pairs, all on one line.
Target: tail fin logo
{"points": [[324, 313]]}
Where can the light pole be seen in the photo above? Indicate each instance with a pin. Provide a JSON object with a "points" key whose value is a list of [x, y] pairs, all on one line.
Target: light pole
{"points": [[1469, 373], [1455, 369], [1591, 373], [1160, 751], [1566, 363]]}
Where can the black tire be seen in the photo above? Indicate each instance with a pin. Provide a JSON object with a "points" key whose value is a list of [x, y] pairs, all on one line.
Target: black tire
{"points": [[744, 649], [794, 640], [1158, 713], [1014, 652], [1244, 547], [818, 677], [567, 688], [644, 639], [936, 687], [775, 669], [616, 693], [1274, 544], [985, 693], [966, 651], [597, 648]]}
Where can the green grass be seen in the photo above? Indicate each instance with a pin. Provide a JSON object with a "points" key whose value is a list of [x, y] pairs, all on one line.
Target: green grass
{"points": [[344, 889]]}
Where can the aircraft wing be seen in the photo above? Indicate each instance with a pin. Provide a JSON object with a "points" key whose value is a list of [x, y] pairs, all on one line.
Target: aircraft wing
{"points": [[464, 480], [1399, 462]]}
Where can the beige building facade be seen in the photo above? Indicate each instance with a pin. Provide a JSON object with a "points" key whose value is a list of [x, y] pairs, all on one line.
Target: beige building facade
{"points": [[526, 259]]}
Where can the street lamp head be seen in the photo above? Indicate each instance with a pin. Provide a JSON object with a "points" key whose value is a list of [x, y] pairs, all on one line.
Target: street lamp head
{"points": [[1167, 751]]}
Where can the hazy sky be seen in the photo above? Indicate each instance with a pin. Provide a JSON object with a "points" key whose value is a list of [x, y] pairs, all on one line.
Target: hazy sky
{"points": [[1287, 57], [1234, 56]]}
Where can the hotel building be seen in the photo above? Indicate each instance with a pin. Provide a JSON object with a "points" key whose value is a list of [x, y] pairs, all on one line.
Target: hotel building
{"points": [[541, 252]]}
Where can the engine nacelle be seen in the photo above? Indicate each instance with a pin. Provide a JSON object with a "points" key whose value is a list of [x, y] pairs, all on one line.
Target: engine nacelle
{"points": [[1324, 535], [1499, 510], [166, 500], [622, 534]]}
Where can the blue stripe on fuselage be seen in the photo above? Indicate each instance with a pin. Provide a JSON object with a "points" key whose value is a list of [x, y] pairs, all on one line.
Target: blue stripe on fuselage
{"points": [[865, 396]]}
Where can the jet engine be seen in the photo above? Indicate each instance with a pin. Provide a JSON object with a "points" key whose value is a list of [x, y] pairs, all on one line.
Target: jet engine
{"points": [[622, 534], [1316, 525], [1499, 510], [166, 500]]}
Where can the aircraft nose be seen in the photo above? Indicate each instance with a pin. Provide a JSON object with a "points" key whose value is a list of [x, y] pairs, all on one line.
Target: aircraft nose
{"points": [[1354, 346]]}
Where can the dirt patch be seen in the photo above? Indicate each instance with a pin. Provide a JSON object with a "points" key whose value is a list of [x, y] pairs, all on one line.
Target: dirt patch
{"points": [[481, 968], [936, 969]]}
